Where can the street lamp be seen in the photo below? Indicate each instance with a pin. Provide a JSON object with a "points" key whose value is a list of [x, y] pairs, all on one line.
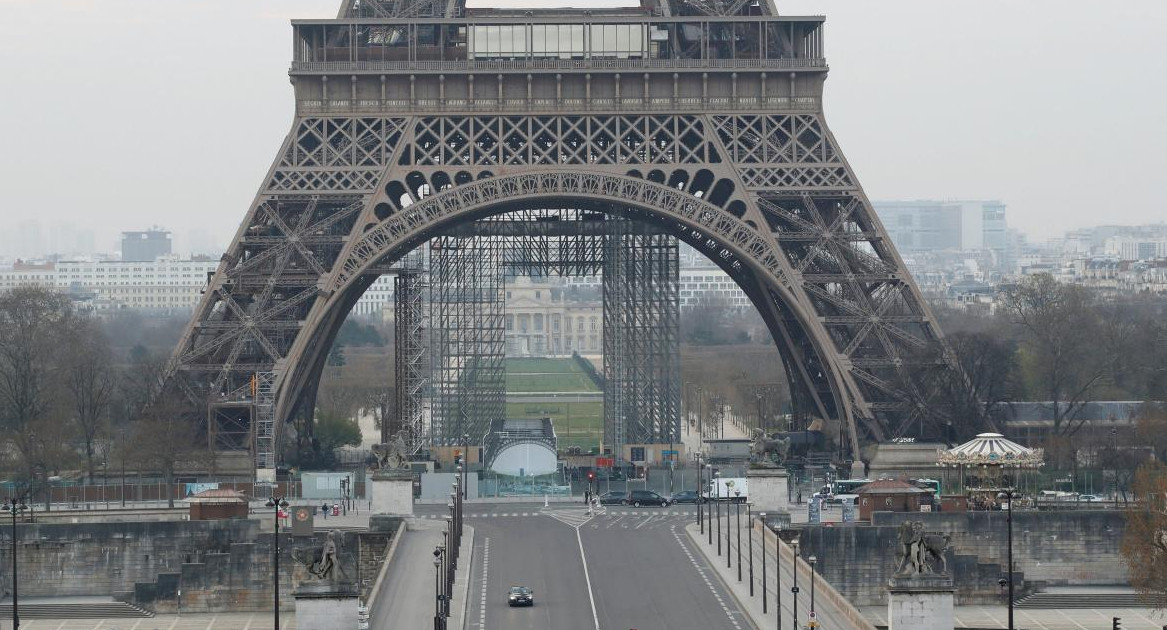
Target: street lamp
{"points": [[794, 588], [15, 506], [1009, 496], [812, 560], [700, 519], [737, 516], [277, 503], [439, 618], [709, 512], [763, 517], [465, 469], [1114, 458], [716, 476], [750, 524]]}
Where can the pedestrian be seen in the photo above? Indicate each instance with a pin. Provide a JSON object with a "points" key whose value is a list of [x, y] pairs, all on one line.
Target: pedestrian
{"points": [[324, 508], [587, 497]]}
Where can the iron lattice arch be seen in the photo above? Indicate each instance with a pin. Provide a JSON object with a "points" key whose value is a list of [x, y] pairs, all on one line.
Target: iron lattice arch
{"points": [[735, 160]]}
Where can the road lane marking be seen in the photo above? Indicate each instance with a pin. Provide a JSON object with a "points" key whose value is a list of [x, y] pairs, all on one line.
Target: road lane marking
{"points": [[643, 523], [705, 578], [485, 567], [591, 597]]}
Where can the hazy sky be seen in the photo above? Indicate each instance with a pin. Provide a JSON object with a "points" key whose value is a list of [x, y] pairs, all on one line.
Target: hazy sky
{"points": [[121, 114]]}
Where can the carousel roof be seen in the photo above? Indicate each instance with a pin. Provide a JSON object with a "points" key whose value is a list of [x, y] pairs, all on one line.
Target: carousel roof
{"points": [[991, 449]]}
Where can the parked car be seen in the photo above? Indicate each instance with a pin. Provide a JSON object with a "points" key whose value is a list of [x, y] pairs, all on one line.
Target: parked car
{"points": [[637, 498], [614, 497], [520, 596], [685, 496], [1090, 498]]}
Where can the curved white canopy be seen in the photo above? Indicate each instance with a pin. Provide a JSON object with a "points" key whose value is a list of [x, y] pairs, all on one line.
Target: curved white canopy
{"points": [[992, 449]]}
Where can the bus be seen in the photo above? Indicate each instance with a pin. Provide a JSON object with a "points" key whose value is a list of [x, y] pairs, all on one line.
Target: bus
{"points": [[931, 485]]}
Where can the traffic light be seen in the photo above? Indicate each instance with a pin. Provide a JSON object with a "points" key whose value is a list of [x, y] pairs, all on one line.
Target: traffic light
{"points": [[1116, 623], [591, 475]]}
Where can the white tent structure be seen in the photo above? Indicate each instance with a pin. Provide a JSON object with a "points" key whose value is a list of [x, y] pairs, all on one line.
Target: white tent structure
{"points": [[985, 457]]}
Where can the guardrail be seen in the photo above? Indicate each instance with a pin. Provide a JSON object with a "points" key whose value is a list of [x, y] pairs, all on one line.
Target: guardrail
{"points": [[569, 105], [557, 64]]}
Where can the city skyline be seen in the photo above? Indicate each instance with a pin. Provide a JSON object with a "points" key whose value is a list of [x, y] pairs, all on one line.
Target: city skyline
{"points": [[181, 137]]}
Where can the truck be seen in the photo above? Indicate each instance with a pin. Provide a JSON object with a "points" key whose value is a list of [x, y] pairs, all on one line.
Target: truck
{"points": [[736, 489]]}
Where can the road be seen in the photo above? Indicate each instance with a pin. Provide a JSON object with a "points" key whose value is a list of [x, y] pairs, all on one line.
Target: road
{"points": [[636, 565]]}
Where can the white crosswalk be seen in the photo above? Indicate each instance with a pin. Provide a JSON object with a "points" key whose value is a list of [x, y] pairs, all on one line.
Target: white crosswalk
{"points": [[570, 511]]}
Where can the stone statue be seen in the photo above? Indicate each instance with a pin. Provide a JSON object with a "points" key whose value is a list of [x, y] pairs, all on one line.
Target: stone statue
{"points": [[325, 562], [391, 456], [767, 451], [919, 551]]}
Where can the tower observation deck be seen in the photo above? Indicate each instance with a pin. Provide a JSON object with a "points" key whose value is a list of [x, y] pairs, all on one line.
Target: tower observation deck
{"points": [[703, 117]]}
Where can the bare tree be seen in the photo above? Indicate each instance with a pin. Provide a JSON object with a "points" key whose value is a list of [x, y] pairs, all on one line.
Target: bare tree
{"points": [[90, 380], [165, 442], [1060, 334], [976, 392], [1144, 543], [33, 323], [382, 404]]}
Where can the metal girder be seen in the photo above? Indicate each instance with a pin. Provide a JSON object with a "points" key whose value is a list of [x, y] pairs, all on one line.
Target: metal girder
{"points": [[642, 370], [764, 190], [467, 338], [412, 373]]}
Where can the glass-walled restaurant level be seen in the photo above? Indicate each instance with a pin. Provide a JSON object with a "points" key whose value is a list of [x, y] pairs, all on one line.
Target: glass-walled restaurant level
{"points": [[456, 42]]}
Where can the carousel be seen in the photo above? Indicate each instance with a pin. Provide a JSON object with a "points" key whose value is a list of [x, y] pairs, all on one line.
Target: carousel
{"points": [[989, 464]]}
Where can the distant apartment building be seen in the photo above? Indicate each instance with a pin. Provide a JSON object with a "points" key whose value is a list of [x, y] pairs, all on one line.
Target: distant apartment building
{"points": [[376, 298], [167, 285], [945, 225], [24, 274], [145, 246], [1135, 248]]}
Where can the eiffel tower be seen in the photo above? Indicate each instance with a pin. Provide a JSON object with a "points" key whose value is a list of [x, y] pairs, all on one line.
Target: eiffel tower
{"points": [[703, 117]]}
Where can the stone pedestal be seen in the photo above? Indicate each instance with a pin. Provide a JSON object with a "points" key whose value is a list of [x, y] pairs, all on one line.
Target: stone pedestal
{"points": [[392, 492], [769, 489], [326, 606], [922, 602]]}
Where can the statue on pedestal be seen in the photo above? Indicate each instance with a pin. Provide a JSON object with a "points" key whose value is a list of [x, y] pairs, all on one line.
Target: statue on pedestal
{"points": [[391, 456], [919, 551], [325, 561], [768, 452]]}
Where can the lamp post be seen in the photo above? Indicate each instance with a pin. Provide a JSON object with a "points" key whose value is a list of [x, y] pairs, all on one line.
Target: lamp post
{"points": [[794, 588], [709, 511], [439, 618], [716, 476], [1009, 496], [700, 519], [763, 517], [15, 506], [1114, 458], [750, 524], [277, 503], [737, 516], [465, 469], [812, 560]]}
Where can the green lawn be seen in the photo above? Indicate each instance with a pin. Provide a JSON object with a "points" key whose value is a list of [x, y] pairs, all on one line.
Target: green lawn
{"points": [[576, 423], [546, 375]]}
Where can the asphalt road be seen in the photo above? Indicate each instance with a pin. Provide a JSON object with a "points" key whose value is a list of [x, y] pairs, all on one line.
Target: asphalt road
{"points": [[640, 572]]}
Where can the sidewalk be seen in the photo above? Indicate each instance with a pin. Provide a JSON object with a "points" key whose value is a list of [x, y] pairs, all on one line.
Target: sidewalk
{"points": [[832, 610], [407, 598]]}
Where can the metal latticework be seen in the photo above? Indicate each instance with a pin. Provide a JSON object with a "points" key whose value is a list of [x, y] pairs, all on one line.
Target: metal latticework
{"points": [[642, 369], [710, 128], [411, 374], [467, 338]]}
